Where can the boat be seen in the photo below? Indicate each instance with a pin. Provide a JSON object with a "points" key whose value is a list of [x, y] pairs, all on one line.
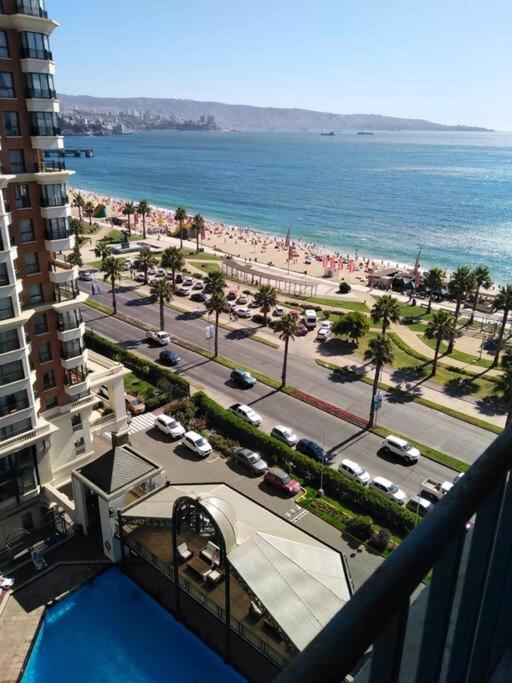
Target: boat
{"points": [[331, 134], [364, 132]]}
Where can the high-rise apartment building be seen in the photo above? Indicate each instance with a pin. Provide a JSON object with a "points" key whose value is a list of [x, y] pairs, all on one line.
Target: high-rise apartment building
{"points": [[48, 407]]}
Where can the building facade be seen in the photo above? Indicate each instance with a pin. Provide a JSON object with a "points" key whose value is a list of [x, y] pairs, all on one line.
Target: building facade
{"points": [[48, 408]]}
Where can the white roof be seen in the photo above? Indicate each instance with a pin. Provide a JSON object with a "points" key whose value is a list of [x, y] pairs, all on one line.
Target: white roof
{"points": [[397, 440]]}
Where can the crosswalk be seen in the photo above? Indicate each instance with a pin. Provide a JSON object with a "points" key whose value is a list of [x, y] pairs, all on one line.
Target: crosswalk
{"points": [[139, 423]]}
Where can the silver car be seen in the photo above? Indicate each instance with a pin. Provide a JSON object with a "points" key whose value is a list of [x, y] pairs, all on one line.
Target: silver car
{"points": [[285, 434]]}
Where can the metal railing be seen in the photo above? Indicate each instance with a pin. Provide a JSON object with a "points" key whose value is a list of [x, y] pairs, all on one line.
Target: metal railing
{"points": [[53, 166], [481, 577], [18, 439], [55, 200]]}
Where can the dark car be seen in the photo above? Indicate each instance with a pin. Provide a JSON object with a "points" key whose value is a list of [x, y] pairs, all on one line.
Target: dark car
{"points": [[243, 378], [278, 478], [313, 450], [169, 357], [179, 278], [249, 461], [199, 296], [183, 291]]}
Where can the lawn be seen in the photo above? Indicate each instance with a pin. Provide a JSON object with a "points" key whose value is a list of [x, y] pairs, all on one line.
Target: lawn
{"points": [[138, 387], [337, 303], [207, 267], [457, 355], [200, 256]]}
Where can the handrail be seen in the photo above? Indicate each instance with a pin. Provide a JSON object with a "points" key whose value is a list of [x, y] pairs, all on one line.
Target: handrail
{"points": [[338, 647]]}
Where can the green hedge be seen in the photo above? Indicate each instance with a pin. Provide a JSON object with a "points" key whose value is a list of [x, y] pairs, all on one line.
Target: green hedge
{"points": [[335, 484], [173, 386]]}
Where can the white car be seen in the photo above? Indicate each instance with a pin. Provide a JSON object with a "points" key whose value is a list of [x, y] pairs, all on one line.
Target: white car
{"points": [[242, 299], [247, 414], [323, 334], [254, 303], [279, 310], [354, 471], [243, 312], [162, 272], [152, 270], [160, 337], [128, 263], [232, 305], [169, 426], [140, 277], [388, 489], [197, 444], [326, 324], [87, 275], [285, 434], [400, 447]]}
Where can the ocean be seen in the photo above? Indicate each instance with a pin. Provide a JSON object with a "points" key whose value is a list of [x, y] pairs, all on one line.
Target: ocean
{"points": [[384, 195]]}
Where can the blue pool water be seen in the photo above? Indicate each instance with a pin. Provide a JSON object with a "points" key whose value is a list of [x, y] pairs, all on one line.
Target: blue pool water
{"points": [[112, 631]]}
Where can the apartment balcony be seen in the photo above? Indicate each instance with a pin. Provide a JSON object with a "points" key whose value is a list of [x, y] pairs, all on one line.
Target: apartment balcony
{"points": [[69, 359], [14, 407], [8, 253], [54, 166], [38, 65], [40, 94], [33, 53], [31, 8], [62, 272], [47, 141], [65, 292], [43, 105], [25, 439], [59, 239], [76, 381], [67, 303], [58, 200]]}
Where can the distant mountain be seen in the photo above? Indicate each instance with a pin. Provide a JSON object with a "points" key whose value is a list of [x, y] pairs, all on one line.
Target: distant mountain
{"points": [[244, 117]]}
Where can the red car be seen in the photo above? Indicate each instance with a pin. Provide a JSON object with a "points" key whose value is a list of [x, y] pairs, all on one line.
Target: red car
{"points": [[301, 330], [231, 295], [280, 480]]}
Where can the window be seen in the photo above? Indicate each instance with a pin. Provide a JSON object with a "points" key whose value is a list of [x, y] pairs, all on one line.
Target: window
{"points": [[53, 195], [57, 228], [35, 294], [4, 275], [45, 353], [40, 323], [76, 422], [13, 402], [14, 429], [31, 260], [6, 308], [73, 348], [22, 196], [80, 446], [44, 123], [16, 161], [35, 45], [11, 372], [4, 48], [35, 8], [49, 380], [24, 470], [27, 522], [12, 124], [26, 231], [40, 86], [6, 86], [52, 402], [9, 341]]}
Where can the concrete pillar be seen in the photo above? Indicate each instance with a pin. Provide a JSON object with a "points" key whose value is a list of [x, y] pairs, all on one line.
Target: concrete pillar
{"points": [[80, 498], [111, 544]]}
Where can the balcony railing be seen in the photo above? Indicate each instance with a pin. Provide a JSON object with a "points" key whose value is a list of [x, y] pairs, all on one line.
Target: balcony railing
{"points": [[50, 166], [45, 130], [65, 324], [34, 53], [73, 352], [58, 233], [48, 202], [41, 93], [63, 293], [34, 9], [13, 407], [477, 565]]}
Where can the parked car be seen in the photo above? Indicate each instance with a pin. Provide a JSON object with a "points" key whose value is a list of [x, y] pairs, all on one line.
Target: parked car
{"points": [[254, 303], [232, 306], [279, 479], [242, 299], [159, 337], [323, 334], [326, 324], [86, 275], [231, 295], [188, 282], [250, 461], [134, 405], [169, 357], [170, 426], [199, 286], [388, 489], [152, 270], [162, 272], [421, 506], [246, 413], [169, 275], [179, 278], [302, 330], [242, 377], [140, 277], [400, 447], [243, 312], [284, 434], [279, 310], [128, 263], [354, 471], [183, 291], [200, 297], [310, 318], [197, 444], [313, 450], [433, 490]]}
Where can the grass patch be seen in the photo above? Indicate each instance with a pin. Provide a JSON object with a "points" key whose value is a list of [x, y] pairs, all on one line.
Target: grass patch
{"points": [[94, 264], [139, 387], [206, 267], [200, 255], [337, 303], [99, 307], [457, 355]]}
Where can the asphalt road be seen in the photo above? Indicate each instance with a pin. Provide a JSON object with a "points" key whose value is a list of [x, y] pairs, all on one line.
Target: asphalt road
{"points": [[433, 428]]}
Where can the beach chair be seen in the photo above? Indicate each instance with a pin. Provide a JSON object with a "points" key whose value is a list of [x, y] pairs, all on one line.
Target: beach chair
{"points": [[210, 553], [184, 552], [38, 559], [6, 583]]}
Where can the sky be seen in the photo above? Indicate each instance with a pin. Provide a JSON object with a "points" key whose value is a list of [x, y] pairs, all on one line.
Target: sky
{"points": [[447, 61]]}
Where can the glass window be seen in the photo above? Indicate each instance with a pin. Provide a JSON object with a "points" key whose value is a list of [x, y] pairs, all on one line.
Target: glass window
{"points": [[4, 48], [12, 124], [4, 275], [26, 231], [54, 195], [24, 469], [44, 123], [35, 45], [22, 196], [13, 402], [72, 348], [52, 402], [40, 86], [35, 294], [16, 161], [19, 427], [6, 86], [57, 228], [9, 341], [36, 8], [11, 372], [45, 353], [49, 380], [40, 323], [6, 308], [31, 260]]}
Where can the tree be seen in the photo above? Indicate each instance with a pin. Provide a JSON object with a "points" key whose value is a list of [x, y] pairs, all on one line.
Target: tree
{"points": [[287, 327], [198, 224], [79, 203], [482, 279], [217, 304], [442, 326], [128, 210], [214, 282], [103, 250], [433, 281], [267, 298], [172, 258], [502, 302], [379, 352], [353, 325], [180, 216], [89, 210], [144, 261], [387, 309], [504, 384], [461, 284], [161, 293], [113, 269], [75, 258], [143, 209]]}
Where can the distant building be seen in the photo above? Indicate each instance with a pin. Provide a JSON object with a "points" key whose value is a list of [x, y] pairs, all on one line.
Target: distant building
{"points": [[210, 120]]}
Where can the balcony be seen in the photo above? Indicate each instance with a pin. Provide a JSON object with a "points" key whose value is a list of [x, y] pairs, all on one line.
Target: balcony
{"points": [[64, 324], [33, 9], [74, 351], [50, 166], [40, 94], [33, 53], [49, 202], [62, 272], [59, 239], [65, 293], [13, 407]]}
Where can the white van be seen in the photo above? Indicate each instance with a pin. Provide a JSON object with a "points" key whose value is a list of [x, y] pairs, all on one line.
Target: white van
{"points": [[310, 318]]}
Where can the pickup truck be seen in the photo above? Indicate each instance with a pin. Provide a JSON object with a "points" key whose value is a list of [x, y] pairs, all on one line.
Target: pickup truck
{"points": [[433, 490], [246, 413], [160, 337]]}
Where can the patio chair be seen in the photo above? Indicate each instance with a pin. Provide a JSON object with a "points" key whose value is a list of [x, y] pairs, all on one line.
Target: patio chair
{"points": [[6, 582], [38, 559], [214, 576], [210, 553], [184, 552]]}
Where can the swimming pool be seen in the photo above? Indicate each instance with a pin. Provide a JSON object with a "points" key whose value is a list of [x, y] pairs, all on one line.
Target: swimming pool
{"points": [[111, 630]]}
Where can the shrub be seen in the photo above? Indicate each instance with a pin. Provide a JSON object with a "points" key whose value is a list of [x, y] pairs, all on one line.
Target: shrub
{"points": [[361, 527], [184, 412], [379, 540], [344, 288], [221, 443]]}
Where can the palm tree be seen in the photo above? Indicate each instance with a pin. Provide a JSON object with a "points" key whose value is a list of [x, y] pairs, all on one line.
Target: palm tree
{"points": [[128, 210], [144, 261], [442, 326], [217, 304], [433, 281], [214, 282], [79, 203], [387, 309], [89, 210], [503, 302], [161, 293], [461, 284], [354, 325], [180, 216], [144, 209], [172, 258], [287, 326], [504, 384], [267, 298], [75, 258], [482, 279], [198, 224], [379, 352], [113, 269], [103, 250]]}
